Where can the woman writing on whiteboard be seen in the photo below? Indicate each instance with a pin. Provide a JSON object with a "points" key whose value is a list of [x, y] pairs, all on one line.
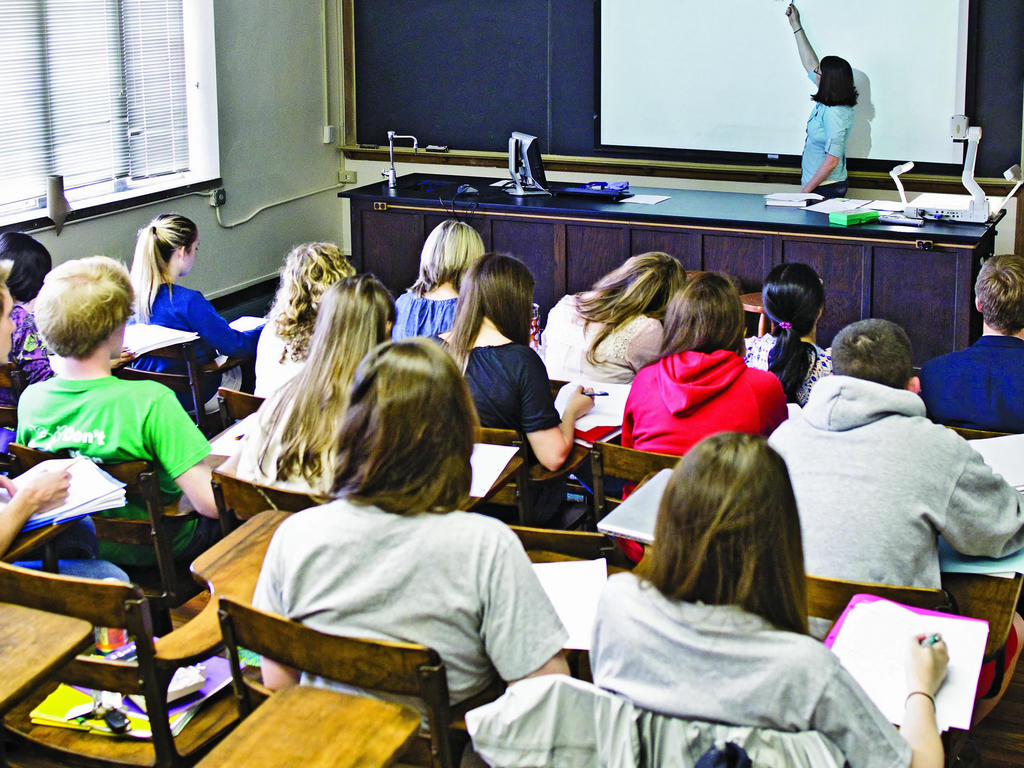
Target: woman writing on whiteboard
{"points": [[823, 165]]}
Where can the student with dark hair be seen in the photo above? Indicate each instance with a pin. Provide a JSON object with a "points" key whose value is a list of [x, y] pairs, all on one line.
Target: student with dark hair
{"points": [[390, 559], [713, 625], [30, 261], [877, 483], [823, 165], [982, 387], [490, 342], [700, 385], [793, 297]]}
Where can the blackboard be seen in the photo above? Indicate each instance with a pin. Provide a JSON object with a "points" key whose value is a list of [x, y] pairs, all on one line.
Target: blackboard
{"points": [[466, 73]]}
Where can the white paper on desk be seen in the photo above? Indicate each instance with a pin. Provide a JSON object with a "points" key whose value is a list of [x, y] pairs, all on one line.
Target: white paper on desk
{"points": [[574, 589], [247, 323], [840, 204], [872, 642], [793, 197], [229, 442], [645, 199], [608, 409], [951, 561], [141, 338], [1005, 455], [488, 462]]}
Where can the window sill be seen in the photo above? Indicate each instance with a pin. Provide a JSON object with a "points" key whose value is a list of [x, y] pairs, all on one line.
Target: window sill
{"points": [[36, 219]]}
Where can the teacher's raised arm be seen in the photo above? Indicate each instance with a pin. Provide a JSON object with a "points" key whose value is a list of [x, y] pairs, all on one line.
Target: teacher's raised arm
{"points": [[823, 163], [807, 55]]}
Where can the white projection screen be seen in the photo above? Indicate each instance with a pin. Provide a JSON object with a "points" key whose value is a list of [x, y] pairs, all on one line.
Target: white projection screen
{"points": [[725, 75]]}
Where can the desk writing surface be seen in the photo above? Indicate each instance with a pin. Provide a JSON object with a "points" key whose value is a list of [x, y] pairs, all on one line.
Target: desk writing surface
{"points": [[684, 206]]}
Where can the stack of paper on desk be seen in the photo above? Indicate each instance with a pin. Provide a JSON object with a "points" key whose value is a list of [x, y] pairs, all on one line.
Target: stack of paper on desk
{"points": [[792, 199], [574, 589], [605, 419], [247, 323], [91, 490], [141, 338], [1005, 455], [951, 561], [870, 639]]}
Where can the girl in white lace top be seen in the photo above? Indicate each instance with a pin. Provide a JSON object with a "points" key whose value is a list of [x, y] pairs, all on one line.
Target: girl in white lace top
{"points": [[613, 330]]}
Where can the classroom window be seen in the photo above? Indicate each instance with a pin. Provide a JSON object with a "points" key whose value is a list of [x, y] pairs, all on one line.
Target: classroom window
{"points": [[117, 96]]}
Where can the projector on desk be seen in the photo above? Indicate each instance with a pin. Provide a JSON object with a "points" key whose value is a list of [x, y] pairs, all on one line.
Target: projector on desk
{"points": [[966, 209]]}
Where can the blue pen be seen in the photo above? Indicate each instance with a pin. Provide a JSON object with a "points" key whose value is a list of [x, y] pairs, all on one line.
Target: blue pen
{"points": [[596, 394]]}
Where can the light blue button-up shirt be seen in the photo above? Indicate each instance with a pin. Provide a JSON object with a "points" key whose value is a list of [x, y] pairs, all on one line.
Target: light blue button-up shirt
{"points": [[827, 131]]}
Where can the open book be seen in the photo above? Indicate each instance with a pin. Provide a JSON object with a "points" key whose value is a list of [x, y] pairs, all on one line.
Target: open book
{"points": [[141, 338], [91, 490]]}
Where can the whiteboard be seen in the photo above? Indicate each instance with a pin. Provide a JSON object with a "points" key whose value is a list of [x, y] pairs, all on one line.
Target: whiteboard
{"points": [[725, 75]]}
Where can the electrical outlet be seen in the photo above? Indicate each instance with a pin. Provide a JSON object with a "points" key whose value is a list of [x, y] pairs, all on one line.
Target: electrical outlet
{"points": [[218, 197], [347, 177]]}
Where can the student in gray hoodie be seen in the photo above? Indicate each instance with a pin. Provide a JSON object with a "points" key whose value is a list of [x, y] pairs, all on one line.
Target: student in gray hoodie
{"points": [[876, 482]]}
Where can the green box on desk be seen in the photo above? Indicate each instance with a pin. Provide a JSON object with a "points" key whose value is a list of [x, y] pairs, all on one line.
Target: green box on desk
{"points": [[850, 218]]}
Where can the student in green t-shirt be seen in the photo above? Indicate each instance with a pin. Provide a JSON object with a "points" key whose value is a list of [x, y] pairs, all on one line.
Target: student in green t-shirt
{"points": [[81, 312]]}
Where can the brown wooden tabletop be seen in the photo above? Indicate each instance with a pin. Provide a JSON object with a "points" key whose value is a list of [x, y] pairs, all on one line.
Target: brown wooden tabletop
{"points": [[317, 728], [32, 644], [27, 542], [991, 598]]}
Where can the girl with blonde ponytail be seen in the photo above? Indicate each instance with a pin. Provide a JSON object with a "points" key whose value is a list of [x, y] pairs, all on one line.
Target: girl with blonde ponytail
{"points": [[165, 252]]}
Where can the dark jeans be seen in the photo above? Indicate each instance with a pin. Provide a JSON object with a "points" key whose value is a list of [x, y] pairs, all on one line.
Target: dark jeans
{"points": [[833, 190]]}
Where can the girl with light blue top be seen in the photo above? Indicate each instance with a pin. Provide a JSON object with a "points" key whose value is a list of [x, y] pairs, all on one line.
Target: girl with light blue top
{"points": [[823, 165]]}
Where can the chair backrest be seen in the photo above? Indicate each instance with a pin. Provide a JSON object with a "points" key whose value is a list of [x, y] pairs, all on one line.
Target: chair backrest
{"points": [[404, 669], [238, 500], [12, 378], [186, 384], [608, 460], [519, 493], [235, 405], [579, 545], [977, 434], [828, 598]]}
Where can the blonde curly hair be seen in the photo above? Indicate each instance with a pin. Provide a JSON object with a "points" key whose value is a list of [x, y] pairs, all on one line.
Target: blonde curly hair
{"points": [[309, 270]]}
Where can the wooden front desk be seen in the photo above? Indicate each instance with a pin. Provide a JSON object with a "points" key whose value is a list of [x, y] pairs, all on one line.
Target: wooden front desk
{"points": [[919, 277]]}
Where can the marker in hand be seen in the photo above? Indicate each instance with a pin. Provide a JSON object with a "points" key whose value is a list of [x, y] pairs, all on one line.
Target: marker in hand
{"points": [[931, 640]]}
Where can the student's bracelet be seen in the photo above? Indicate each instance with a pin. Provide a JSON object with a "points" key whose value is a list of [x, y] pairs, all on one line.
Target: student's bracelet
{"points": [[920, 693], [798, 29]]}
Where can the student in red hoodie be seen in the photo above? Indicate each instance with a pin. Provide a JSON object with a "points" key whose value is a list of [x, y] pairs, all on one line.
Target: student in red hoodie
{"points": [[700, 385]]}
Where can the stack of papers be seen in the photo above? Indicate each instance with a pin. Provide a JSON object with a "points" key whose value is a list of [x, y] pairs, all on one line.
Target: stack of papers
{"points": [[574, 589], [951, 561], [792, 199], [247, 323], [605, 419], [870, 640], [488, 462], [91, 490], [141, 338]]}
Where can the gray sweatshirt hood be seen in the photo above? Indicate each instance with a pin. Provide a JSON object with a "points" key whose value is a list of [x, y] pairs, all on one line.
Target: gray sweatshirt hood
{"points": [[839, 403]]}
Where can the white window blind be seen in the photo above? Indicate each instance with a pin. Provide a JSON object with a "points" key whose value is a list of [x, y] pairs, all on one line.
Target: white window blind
{"points": [[93, 90]]}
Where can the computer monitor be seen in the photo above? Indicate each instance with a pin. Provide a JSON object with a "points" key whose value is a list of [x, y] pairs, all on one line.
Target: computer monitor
{"points": [[525, 165]]}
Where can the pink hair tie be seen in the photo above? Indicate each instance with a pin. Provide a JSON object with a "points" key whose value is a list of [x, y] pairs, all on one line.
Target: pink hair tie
{"points": [[785, 326]]}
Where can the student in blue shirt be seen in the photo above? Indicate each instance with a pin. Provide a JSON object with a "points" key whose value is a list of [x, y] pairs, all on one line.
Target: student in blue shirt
{"points": [[823, 165], [166, 251]]}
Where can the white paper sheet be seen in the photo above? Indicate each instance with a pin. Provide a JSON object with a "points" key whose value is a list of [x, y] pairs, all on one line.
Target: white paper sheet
{"points": [[1005, 455], [488, 461], [645, 199], [229, 442], [141, 338], [574, 589], [607, 410], [872, 646], [247, 323], [838, 204], [793, 197]]}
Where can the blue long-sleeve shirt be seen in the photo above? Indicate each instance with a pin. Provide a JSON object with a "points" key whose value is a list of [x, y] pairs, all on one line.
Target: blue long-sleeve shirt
{"points": [[187, 310]]}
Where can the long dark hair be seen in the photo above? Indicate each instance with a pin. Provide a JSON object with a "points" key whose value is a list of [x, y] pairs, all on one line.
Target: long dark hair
{"points": [[728, 532], [30, 263], [499, 288], [792, 296], [835, 83]]}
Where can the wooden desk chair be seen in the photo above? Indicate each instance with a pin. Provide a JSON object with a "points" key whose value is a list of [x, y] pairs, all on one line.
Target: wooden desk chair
{"points": [[12, 378], [235, 405], [238, 500], [752, 304], [983, 596], [608, 460], [977, 434], [403, 669], [576, 545], [140, 480], [188, 384], [118, 605], [828, 598]]}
